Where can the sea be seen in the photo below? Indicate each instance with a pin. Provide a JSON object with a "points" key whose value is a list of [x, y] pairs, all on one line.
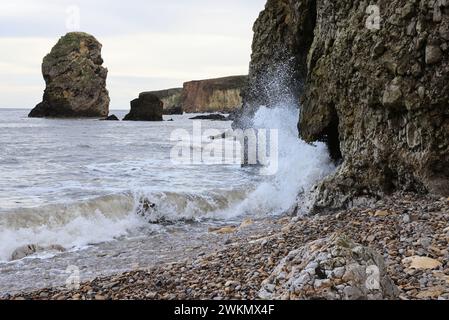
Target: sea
{"points": [[97, 198]]}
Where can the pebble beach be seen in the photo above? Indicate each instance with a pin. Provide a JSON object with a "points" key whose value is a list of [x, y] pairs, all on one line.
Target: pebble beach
{"points": [[409, 233]]}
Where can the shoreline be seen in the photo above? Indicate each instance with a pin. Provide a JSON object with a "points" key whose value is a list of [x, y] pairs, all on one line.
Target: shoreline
{"points": [[399, 227]]}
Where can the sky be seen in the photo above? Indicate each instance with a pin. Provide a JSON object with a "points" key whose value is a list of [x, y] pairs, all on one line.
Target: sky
{"points": [[147, 44]]}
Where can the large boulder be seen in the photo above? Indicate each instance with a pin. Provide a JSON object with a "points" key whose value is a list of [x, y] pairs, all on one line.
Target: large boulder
{"points": [[333, 268], [171, 98], [31, 249], [148, 107], [376, 93], [75, 79]]}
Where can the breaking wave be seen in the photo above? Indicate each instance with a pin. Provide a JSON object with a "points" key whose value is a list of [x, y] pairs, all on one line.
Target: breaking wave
{"points": [[75, 225], [70, 226]]}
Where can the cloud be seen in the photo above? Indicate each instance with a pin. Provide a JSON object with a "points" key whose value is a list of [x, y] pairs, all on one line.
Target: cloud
{"points": [[147, 45], [181, 56], [106, 17]]}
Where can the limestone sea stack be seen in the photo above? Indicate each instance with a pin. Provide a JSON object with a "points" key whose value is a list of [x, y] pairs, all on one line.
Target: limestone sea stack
{"points": [[171, 98], [213, 95], [75, 80], [148, 107], [376, 93]]}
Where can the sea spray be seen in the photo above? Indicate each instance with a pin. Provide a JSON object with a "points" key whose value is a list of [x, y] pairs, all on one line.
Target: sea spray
{"points": [[301, 166], [181, 194]]}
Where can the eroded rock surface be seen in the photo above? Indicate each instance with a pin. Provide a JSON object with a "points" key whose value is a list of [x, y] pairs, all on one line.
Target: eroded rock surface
{"points": [[147, 107], [171, 98], [333, 268], [75, 79], [377, 94], [213, 95]]}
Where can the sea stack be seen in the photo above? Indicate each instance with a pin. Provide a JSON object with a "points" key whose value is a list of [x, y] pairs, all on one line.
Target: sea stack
{"points": [[75, 80], [148, 107], [171, 98]]}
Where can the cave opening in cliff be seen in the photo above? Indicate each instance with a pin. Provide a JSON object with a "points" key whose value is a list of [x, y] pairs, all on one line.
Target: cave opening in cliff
{"points": [[331, 136]]}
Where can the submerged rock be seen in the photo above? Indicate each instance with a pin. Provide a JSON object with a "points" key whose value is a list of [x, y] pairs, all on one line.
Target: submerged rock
{"points": [[31, 249], [75, 79], [334, 268], [112, 117], [145, 207], [147, 107], [215, 117]]}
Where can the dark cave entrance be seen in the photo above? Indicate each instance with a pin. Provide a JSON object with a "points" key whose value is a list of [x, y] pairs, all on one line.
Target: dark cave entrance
{"points": [[331, 136]]}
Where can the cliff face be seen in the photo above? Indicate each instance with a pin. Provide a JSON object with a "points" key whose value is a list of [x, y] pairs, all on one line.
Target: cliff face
{"points": [[171, 98], [75, 79], [378, 96], [282, 35], [214, 95]]}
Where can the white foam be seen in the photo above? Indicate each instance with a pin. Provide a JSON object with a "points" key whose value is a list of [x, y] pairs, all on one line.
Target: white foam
{"points": [[301, 166], [73, 226]]}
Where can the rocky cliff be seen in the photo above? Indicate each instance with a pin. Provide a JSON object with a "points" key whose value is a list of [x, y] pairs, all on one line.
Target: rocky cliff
{"points": [[171, 98], [148, 107], [75, 79], [213, 95], [372, 82]]}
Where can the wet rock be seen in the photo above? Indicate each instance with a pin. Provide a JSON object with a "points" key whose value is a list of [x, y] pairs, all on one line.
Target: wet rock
{"points": [[224, 230], [214, 117], [145, 207], [75, 79], [112, 117], [32, 249], [147, 107]]}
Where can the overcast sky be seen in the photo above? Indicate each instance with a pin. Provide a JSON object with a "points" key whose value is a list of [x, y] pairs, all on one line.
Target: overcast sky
{"points": [[147, 44]]}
